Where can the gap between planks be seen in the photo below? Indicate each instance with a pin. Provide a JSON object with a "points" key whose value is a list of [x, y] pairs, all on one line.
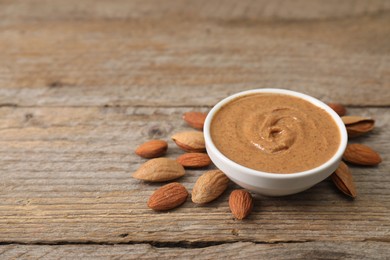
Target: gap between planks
{"points": [[12, 105], [179, 244]]}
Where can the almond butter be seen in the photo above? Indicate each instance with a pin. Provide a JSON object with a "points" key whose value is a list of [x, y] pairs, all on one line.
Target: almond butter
{"points": [[357, 125], [194, 160], [338, 108], [190, 141], [209, 186], [159, 170], [240, 203], [152, 149], [195, 119], [168, 197], [362, 155], [343, 180]]}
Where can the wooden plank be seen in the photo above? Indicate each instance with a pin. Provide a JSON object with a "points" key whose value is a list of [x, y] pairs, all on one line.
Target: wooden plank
{"points": [[138, 53], [239, 250], [66, 178], [17, 10]]}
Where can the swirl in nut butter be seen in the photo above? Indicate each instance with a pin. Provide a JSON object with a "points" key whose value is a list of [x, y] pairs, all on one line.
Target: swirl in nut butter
{"points": [[275, 133]]}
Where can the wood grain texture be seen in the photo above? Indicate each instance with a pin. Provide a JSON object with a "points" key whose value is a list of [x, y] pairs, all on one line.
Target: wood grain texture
{"points": [[148, 54], [68, 179], [20, 10], [239, 250], [82, 83]]}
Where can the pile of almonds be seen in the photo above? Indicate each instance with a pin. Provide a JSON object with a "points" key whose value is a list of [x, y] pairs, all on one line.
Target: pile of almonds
{"points": [[207, 188], [357, 154], [213, 183]]}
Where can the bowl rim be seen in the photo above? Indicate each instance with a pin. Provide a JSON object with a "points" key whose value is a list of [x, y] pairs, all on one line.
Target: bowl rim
{"points": [[336, 157]]}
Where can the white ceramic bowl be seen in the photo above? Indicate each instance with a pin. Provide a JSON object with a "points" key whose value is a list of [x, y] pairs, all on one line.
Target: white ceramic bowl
{"points": [[274, 184]]}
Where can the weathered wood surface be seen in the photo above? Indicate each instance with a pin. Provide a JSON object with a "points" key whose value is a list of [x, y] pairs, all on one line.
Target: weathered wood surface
{"points": [[94, 53], [83, 83], [239, 250], [66, 177]]}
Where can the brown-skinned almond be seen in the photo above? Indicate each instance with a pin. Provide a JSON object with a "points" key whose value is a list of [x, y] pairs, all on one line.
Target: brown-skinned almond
{"points": [[357, 125], [362, 155], [343, 180], [194, 160], [159, 170], [338, 108], [209, 186], [190, 141], [240, 203], [168, 197], [152, 149], [195, 119]]}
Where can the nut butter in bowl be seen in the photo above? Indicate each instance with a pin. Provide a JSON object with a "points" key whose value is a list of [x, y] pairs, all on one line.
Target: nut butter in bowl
{"points": [[273, 141]]}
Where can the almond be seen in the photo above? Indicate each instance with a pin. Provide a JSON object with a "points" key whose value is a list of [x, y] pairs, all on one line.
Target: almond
{"points": [[191, 141], [195, 119], [338, 108], [158, 170], [152, 149], [209, 186], [343, 180], [361, 154], [240, 203], [168, 197], [357, 125], [194, 160]]}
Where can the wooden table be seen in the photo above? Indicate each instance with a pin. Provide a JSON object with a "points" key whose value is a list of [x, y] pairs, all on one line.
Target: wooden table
{"points": [[82, 83]]}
